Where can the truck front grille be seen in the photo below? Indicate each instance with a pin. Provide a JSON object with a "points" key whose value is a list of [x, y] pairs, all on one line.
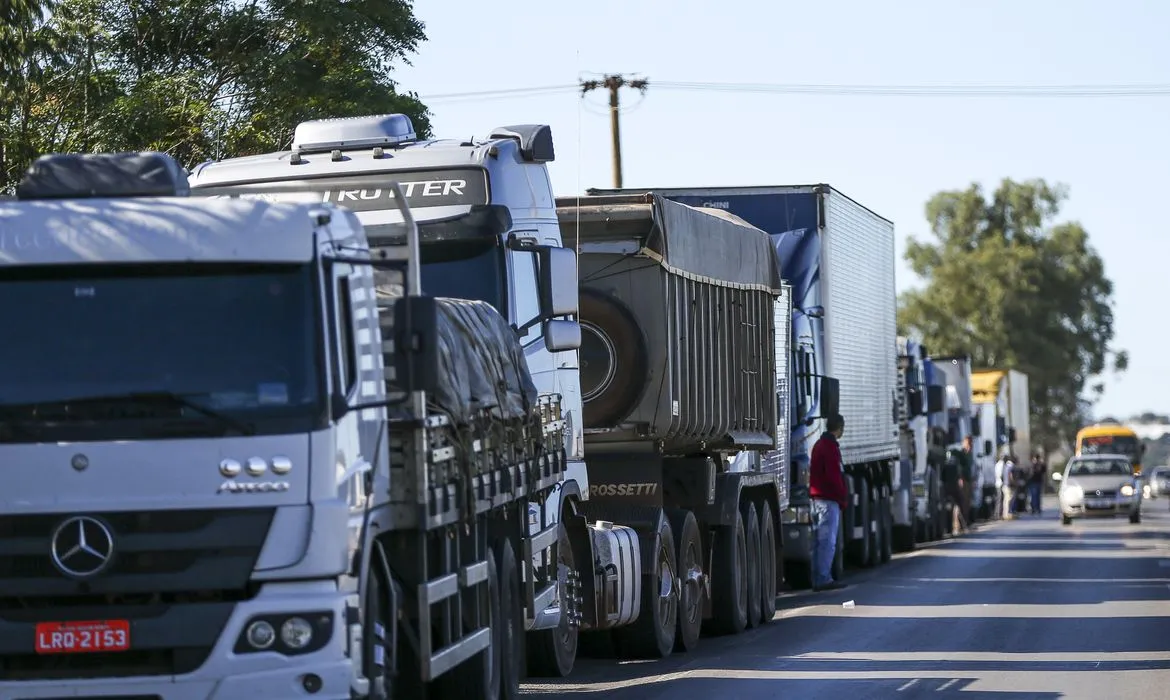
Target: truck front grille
{"points": [[151, 662], [175, 576], [172, 554]]}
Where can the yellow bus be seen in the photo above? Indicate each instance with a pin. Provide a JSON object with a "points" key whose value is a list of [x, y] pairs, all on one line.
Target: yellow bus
{"points": [[1111, 438]]}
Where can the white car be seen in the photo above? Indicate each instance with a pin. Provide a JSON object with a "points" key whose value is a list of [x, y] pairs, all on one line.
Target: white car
{"points": [[1158, 481], [1099, 486]]}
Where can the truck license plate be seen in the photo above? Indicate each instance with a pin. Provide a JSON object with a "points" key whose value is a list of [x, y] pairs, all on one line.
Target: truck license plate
{"points": [[82, 637]]}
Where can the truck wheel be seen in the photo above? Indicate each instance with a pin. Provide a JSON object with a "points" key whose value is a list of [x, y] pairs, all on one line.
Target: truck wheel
{"points": [[729, 578], [875, 529], [552, 653], [651, 635], [798, 575], [903, 537], [511, 656], [613, 359], [768, 556], [478, 678], [690, 578], [886, 527], [376, 637], [752, 531], [859, 515]]}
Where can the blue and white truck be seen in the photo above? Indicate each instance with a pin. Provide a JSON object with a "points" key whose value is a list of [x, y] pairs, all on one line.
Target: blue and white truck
{"points": [[838, 256]]}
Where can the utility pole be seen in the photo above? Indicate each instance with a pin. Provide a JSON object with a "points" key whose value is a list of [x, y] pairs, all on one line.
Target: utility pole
{"points": [[614, 83]]}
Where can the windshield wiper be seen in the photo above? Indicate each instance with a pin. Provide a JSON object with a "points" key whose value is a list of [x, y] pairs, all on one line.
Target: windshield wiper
{"points": [[145, 398]]}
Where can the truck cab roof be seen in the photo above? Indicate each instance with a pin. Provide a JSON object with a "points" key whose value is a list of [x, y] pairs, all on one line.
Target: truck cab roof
{"points": [[379, 143], [135, 207]]}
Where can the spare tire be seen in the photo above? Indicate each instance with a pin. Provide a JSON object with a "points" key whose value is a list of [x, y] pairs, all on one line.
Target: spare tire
{"points": [[613, 360]]}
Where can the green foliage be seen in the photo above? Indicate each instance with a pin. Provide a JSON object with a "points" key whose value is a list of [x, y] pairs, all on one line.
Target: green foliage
{"points": [[1014, 290], [198, 79]]}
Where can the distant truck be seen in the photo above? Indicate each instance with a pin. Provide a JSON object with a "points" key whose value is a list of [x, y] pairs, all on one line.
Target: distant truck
{"points": [[958, 422], [918, 399], [1005, 424], [839, 258]]}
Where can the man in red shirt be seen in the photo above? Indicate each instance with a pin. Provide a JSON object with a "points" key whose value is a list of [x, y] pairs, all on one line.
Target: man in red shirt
{"points": [[826, 488]]}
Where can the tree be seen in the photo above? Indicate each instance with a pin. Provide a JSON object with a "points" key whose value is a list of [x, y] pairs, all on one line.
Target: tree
{"points": [[198, 79], [1012, 289]]}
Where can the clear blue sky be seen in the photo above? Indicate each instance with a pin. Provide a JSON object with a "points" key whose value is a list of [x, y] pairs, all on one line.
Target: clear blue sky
{"points": [[890, 153]]}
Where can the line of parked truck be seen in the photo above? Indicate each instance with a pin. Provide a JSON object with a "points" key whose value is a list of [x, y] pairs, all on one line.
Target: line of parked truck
{"points": [[461, 429]]}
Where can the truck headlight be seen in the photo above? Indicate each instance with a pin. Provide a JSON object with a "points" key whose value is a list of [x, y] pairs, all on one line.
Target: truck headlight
{"points": [[260, 634], [290, 634], [296, 633]]}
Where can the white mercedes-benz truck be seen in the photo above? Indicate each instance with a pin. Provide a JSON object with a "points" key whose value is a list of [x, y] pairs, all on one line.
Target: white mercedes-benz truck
{"points": [[246, 457]]}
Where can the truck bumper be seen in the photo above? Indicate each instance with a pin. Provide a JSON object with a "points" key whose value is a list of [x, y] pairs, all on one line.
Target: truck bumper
{"points": [[226, 675]]}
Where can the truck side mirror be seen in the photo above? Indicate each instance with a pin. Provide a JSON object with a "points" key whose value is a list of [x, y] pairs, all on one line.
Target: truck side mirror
{"points": [[561, 335], [1011, 435], [987, 447], [558, 282], [976, 429], [914, 401], [416, 344], [830, 397], [935, 398]]}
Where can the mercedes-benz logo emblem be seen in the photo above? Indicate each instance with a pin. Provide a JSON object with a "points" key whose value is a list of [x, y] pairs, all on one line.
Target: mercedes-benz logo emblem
{"points": [[82, 547]]}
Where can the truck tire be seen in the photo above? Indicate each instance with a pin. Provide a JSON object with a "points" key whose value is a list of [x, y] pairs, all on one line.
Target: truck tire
{"points": [[798, 574], [552, 653], [752, 532], [768, 559], [377, 644], [613, 359], [478, 678], [690, 559], [859, 515], [651, 635], [886, 527], [874, 529], [729, 578], [511, 655], [903, 536]]}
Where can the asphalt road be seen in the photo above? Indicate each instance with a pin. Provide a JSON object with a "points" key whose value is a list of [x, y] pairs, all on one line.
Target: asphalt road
{"points": [[1017, 609]]}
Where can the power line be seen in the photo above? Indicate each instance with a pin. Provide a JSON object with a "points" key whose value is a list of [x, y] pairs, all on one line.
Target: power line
{"points": [[854, 90]]}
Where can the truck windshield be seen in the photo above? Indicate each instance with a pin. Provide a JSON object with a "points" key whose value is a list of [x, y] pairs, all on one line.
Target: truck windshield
{"points": [[465, 269], [136, 352]]}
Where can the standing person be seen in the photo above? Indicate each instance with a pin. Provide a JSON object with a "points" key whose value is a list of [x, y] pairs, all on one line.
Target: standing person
{"points": [[1008, 489], [1036, 482], [1000, 506], [966, 457], [952, 483], [826, 488]]}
